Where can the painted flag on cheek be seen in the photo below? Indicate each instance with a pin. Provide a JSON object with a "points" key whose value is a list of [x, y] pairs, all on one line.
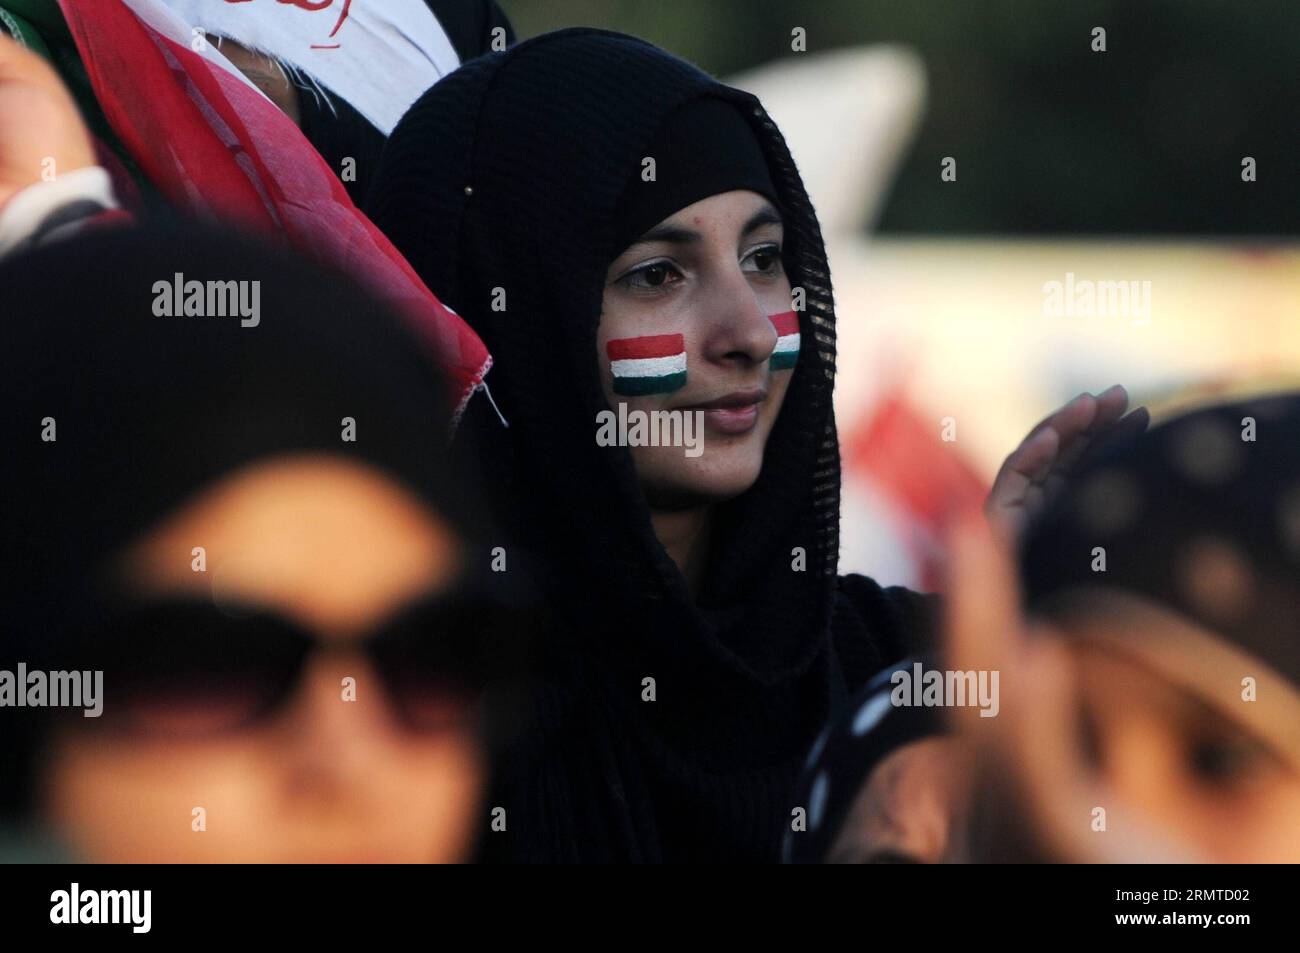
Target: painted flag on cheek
{"points": [[787, 340], [655, 364]]}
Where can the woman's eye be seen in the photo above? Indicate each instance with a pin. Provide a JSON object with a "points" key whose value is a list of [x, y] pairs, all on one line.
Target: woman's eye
{"points": [[766, 259], [655, 275], [1223, 763]]}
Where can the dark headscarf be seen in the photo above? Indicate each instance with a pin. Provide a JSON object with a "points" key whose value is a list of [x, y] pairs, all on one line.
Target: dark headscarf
{"points": [[1200, 515], [338, 132], [148, 410], [509, 174], [703, 148], [847, 751]]}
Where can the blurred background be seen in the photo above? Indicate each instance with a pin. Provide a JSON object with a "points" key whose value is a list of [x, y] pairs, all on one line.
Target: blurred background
{"points": [[1015, 214]]}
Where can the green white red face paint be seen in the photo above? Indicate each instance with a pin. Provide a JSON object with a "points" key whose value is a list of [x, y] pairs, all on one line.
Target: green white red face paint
{"points": [[654, 364], [787, 340]]}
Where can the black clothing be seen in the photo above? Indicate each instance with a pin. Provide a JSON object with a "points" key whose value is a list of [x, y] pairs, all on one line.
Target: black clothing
{"points": [[1204, 498], [704, 148], [868, 730], [469, 25], [506, 175]]}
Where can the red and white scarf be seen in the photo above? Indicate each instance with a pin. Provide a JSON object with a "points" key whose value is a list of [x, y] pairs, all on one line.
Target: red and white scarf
{"points": [[218, 149], [379, 55]]}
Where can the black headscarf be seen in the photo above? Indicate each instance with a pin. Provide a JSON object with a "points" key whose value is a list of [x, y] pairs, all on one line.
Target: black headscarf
{"points": [[148, 410], [840, 764], [1200, 515], [338, 132], [705, 147], [509, 174]]}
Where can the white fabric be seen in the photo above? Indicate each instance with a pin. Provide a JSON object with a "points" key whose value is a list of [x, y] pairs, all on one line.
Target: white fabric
{"points": [[379, 55], [24, 212]]}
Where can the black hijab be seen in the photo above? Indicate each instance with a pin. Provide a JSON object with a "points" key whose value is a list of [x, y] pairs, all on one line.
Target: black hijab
{"points": [[511, 173]]}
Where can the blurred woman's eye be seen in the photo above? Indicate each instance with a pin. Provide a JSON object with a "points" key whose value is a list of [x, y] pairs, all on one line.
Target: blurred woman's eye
{"points": [[765, 259], [651, 277], [1225, 761]]}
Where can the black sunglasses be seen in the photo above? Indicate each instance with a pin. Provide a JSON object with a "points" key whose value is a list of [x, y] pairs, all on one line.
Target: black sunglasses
{"points": [[191, 669]]}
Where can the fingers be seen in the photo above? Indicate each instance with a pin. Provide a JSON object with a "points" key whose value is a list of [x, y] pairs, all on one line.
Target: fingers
{"points": [[1015, 490], [1066, 424], [982, 625], [1126, 428], [1055, 446], [1071, 419], [1111, 404]]}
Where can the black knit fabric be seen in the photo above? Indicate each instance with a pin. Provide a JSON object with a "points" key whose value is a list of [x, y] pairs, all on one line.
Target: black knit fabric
{"points": [[704, 148], [507, 175], [469, 25]]}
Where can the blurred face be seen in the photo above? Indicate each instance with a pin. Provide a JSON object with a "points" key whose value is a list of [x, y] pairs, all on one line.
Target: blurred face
{"points": [[1186, 763], [910, 810], [711, 273], [326, 547]]}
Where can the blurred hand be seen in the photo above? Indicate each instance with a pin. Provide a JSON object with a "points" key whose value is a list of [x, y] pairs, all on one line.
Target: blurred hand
{"points": [[39, 121], [1034, 746], [1036, 468]]}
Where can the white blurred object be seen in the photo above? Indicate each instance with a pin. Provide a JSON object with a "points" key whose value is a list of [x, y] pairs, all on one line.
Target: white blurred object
{"points": [[848, 116]]}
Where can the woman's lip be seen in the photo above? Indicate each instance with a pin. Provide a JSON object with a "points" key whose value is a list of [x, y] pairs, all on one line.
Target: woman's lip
{"points": [[732, 420], [736, 400], [732, 414]]}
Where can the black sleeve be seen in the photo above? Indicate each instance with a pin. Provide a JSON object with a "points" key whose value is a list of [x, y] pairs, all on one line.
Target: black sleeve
{"points": [[469, 25], [877, 625]]}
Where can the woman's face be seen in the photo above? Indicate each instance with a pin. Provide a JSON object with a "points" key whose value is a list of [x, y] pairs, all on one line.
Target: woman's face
{"points": [[713, 274], [335, 548], [1186, 765]]}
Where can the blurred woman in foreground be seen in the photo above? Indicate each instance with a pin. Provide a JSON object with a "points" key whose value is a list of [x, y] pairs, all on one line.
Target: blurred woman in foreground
{"points": [[1151, 695], [247, 527]]}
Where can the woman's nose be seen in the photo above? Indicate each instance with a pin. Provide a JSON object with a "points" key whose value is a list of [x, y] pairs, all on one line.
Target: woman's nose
{"points": [[334, 722], [741, 330]]}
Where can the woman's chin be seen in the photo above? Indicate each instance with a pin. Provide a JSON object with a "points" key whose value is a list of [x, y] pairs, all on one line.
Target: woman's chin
{"points": [[704, 484]]}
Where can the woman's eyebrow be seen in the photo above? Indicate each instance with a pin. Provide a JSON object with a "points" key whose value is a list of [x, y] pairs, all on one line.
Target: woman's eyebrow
{"points": [[675, 234], [680, 235], [766, 215]]}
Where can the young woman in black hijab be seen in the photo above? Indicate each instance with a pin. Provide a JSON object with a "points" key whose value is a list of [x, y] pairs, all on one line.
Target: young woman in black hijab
{"points": [[630, 236], [242, 526]]}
